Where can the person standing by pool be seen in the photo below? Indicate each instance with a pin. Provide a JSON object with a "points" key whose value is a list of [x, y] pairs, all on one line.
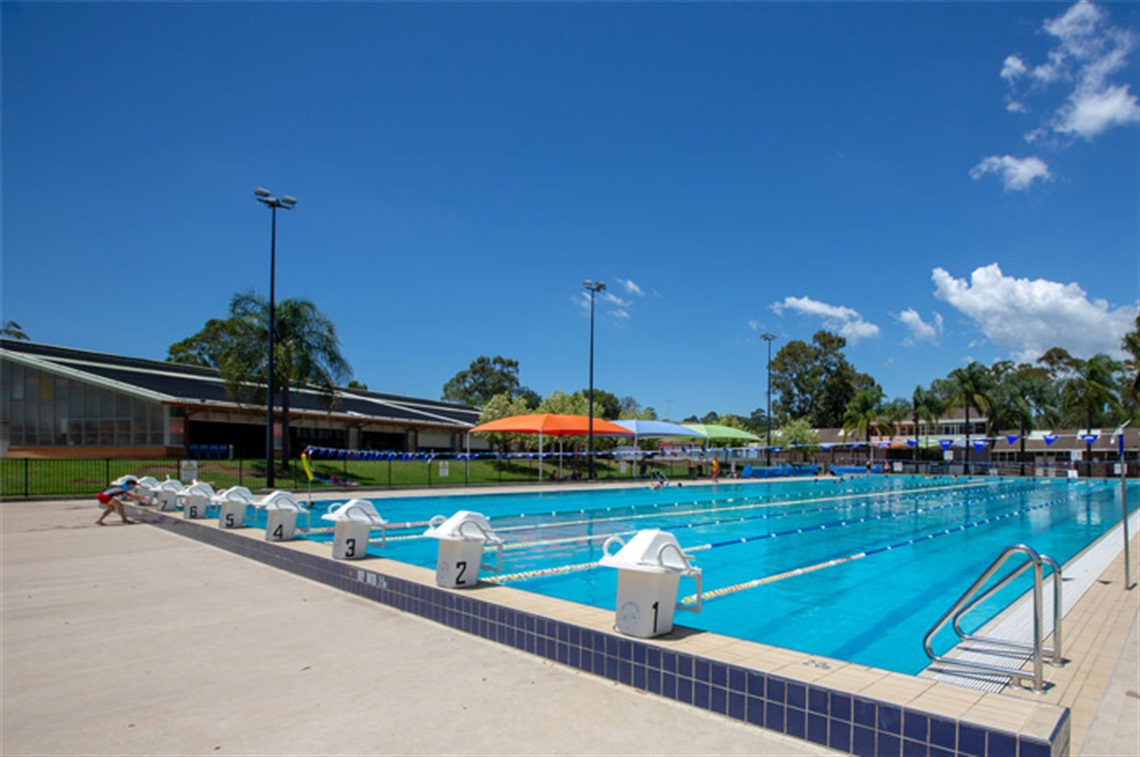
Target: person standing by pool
{"points": [[110, 499], [716, 468]]}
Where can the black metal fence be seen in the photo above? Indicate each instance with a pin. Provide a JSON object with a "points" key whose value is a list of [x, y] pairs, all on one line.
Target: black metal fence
{"points": [[24, 478]]}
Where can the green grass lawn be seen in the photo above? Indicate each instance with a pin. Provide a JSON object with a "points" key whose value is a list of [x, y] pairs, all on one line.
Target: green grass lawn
{"points": [[21, 478]]}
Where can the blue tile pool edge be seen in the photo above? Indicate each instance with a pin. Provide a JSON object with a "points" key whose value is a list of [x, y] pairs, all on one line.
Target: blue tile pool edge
{"points": [[844, 721]]}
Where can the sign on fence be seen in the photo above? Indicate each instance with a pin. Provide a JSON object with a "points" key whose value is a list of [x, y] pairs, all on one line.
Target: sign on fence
{"points": [[188, 470]]}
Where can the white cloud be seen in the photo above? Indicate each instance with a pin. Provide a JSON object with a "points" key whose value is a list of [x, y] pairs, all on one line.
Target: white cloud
{"points": [[1028, 317], [1015, 173], [841, 320], [920, 330], [631, 287], [1087, 53], [1013, 68], [1088, 113]]}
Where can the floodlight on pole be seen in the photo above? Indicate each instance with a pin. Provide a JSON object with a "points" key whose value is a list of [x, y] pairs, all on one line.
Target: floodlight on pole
{"points": [[265, 197], [593, 287]]}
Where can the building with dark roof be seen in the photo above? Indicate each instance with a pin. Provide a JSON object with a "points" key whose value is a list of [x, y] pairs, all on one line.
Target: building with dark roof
{"points": [[67, 403]]}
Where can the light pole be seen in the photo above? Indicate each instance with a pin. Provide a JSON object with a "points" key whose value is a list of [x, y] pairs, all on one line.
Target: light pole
{"points": [[768, 337], [285, 202], [593, 287]]}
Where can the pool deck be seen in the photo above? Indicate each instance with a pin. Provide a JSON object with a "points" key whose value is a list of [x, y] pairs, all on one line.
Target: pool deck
{"points": [[132, 640]]}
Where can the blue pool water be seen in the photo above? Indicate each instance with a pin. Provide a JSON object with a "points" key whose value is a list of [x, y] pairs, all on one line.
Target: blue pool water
{"points": [[907, 546]]}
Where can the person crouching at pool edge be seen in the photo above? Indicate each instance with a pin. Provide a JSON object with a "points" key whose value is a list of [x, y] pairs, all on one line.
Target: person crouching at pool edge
{"points": [[110, 500]]}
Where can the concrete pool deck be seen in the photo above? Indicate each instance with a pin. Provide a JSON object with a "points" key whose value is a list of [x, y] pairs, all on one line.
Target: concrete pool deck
{"points": [[194, 650]]}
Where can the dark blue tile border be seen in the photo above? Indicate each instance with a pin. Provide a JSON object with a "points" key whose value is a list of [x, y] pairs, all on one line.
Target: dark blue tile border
{"points": [[840, 720]]}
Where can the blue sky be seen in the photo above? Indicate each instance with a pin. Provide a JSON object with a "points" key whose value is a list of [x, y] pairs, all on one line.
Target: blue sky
{"points": [[939, 183]]}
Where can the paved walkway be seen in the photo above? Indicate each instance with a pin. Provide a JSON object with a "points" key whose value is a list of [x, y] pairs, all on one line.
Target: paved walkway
{"points": [[130, 640]]}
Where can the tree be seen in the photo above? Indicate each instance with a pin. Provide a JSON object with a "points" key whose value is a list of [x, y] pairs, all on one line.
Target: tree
{"points": [[1131, 345], [864, 413], [354, 384], [815, 380], [970, 387], [13, 330], [1090, 394], [631, 410], [606, 404], [529, 396], [561, 403], [208, 347], [482, 380], [928, 406], [799, 435], [503, 406], [306, 353]]}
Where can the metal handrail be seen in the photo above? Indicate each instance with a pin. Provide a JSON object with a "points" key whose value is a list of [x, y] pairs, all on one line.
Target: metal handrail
{"points": [[967, 601], [1055, 652]]}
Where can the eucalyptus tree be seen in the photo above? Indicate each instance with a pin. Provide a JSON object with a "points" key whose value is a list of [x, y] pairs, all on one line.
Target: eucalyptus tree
{"points": [[482, 380], [971, 387], [815, 380], [306, 353]]}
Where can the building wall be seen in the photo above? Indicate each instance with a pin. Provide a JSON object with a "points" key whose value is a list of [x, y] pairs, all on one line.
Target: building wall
{"points": [[42, 410]]}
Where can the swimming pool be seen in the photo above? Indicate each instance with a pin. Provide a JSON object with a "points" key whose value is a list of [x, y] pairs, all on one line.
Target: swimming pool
{"points": [[854, 569]]}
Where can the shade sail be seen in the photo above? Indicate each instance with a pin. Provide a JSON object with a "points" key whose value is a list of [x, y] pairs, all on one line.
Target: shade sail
{"points": [[713, 431], [551, 424], [657, 428]]}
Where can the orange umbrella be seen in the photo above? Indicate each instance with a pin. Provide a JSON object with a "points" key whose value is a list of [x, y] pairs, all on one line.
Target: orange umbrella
{"points": [[550, 424]]}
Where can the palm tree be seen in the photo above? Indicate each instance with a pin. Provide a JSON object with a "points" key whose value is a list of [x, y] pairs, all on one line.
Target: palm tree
{"points": [[971, 387], [863, 412], [13, 330], [928, 406], [1092, 390], [306, 353], [1022, 398], [1131, 345]]}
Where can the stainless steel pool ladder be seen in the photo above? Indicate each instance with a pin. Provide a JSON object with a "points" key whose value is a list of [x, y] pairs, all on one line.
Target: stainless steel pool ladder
{"points": [[968, 601]]}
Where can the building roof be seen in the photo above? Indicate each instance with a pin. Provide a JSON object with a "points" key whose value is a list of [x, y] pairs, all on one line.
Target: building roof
{"points": [[189, 385]]}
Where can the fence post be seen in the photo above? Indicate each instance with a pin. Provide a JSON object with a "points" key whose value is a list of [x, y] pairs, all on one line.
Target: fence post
{"points": [[25, 477], [106, 473]]}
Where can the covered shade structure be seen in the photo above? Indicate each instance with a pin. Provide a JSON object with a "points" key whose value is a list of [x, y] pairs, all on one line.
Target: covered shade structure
{"points": [[550, 424], [656, 429], [713, 431]]}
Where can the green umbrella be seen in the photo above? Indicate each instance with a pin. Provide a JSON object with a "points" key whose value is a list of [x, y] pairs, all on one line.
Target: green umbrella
{"points": [[713, 431]]}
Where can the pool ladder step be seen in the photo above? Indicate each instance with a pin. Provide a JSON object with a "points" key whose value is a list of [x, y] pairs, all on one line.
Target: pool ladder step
{"points": [[989, 661]]}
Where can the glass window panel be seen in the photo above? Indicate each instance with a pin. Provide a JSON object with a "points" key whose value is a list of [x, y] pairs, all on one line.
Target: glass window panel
{"points": [[76, 397], [47, 423], [91, 402], [31, 385], [106, 433], [156, 424], [122, 432], [47, 384], [122, 406]]}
